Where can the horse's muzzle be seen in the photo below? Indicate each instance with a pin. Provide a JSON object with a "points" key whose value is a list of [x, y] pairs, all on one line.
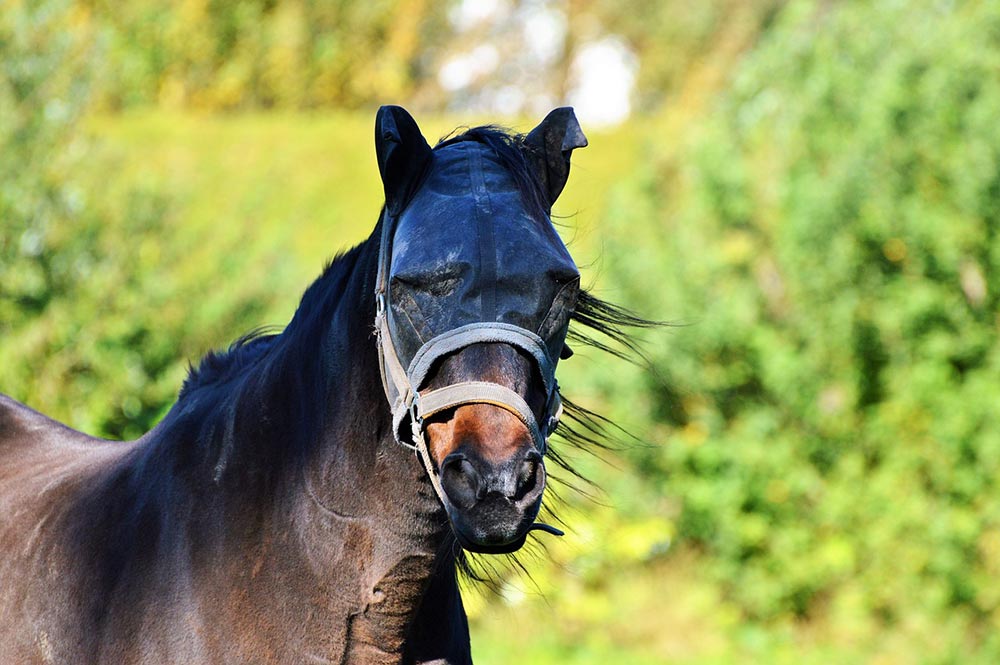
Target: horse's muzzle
{"points": [[492, 506]]}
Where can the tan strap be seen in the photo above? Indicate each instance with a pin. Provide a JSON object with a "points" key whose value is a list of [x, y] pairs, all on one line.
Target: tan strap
{"points": [[480, 392]]}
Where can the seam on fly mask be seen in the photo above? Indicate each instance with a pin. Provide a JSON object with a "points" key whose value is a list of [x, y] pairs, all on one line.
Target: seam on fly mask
{"points": [[485, 231], [558, 304]]}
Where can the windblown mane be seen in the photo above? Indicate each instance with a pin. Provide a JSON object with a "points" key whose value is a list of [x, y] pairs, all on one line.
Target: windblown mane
{"points": [[218, 367]]}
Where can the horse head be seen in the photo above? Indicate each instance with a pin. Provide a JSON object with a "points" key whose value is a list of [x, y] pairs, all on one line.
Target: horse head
{"points": [[474, 294]]}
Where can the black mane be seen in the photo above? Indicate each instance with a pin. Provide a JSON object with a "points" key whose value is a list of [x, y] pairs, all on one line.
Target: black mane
{"points": [[220, 367], [273, 377], [217, 367]]}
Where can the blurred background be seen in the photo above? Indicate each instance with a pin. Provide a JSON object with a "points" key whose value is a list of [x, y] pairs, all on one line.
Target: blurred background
{"points": [[811, 188]]}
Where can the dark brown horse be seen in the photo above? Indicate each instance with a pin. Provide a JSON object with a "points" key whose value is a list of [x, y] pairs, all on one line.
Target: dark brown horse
{"points": [[273, 516]]}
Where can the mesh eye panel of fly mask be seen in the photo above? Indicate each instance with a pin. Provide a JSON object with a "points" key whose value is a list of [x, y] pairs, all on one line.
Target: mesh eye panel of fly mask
{"points": [[469, 255]]}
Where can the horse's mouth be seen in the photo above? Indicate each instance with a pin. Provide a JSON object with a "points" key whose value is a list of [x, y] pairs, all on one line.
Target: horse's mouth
{"points": [[504, 548], [480, 548]]}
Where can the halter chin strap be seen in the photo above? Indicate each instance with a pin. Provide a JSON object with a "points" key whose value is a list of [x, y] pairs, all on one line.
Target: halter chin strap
{"points": [[402, 385]]}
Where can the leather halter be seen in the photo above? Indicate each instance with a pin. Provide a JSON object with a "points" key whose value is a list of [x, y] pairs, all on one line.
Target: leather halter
{"points": [[402, 385]]}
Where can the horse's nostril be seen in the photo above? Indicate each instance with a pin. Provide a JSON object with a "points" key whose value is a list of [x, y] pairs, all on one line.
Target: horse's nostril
{"points": [[528, 475], [460, 481]]}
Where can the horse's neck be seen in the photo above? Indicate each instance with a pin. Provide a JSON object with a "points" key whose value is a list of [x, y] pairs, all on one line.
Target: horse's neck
{"points": [[351, 509], [366, 509], [278, 498]]}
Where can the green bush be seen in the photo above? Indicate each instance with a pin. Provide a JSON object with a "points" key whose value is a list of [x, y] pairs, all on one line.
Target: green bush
{"points": [[831, 236], [44, 81], [266, 53], [93, 330]]}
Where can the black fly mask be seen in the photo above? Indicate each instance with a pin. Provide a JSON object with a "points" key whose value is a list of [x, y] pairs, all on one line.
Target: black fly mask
{"points": [[469, 255]]}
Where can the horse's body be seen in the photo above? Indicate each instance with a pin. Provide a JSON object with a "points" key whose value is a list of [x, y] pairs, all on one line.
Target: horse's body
{"points": [[272, 515], [217, 537]]}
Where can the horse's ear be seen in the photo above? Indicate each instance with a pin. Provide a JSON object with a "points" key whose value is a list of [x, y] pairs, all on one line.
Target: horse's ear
{"points": [[550, 145], [402, 153]]}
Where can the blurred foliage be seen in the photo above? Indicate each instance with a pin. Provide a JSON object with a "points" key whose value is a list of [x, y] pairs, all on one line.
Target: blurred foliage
{"points": [[831, 235], [302, 54], [821, 482], [93, 325], [680, 45], [39, 107], [218, 54]]}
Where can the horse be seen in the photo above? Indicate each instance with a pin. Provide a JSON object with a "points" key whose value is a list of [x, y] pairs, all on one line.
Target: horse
{"points": [[312, 494]]}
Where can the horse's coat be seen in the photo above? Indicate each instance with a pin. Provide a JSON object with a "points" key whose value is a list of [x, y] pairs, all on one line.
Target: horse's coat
{"points": [[218, 536], [270, 516]]}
